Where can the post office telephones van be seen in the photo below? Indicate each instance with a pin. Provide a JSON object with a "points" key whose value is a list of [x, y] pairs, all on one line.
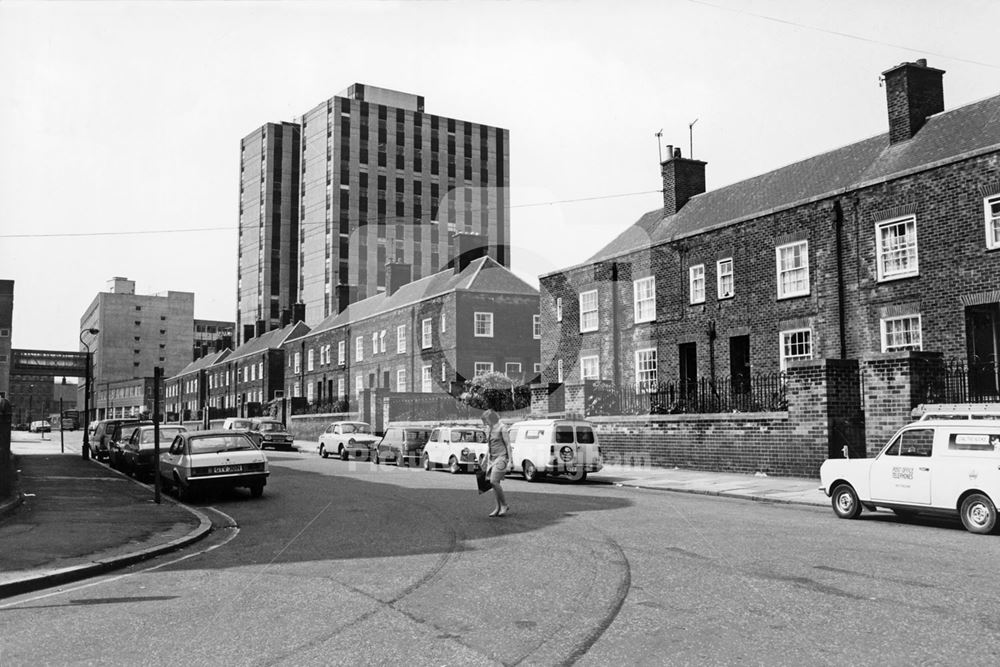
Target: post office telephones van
{"points": [[554, 446], [933, 466]]}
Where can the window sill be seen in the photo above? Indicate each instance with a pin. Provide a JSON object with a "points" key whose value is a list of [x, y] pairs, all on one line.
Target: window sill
{"points": [[791, 296], [889, 279]]}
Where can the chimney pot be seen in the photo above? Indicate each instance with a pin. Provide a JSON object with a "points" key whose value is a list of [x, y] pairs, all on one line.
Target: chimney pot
{"points": [[677, 152]]}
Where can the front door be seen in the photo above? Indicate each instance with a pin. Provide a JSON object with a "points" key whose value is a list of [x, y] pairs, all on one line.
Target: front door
{"points": [[688, 365], [982, 325], [739, 363], [902, 473]]}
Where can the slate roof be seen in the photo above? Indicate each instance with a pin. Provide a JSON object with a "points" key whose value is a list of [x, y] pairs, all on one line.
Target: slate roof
{"points": [[483, 275], [946, 136], [269, 340], [204, 362]]}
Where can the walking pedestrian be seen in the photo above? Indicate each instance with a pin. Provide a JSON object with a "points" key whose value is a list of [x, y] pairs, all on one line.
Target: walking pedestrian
{"points": [[500, 457]]}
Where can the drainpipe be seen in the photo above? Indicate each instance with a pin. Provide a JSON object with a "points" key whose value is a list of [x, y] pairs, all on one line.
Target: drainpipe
{"points": [[615, 334], [838, 221]]}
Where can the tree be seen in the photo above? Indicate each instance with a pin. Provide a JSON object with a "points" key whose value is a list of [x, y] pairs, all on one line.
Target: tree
{"points": [[495, 391]]}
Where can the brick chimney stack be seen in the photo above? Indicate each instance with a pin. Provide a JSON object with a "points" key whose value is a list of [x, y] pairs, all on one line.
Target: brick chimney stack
{"points": [[468, 248], [397, 274], [683, 178], [298, 312], [913, 92], [344, 296]]}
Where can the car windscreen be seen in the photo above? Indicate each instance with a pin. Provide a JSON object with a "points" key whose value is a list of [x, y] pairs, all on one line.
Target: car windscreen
{"points": [[357, 428], [240, 424], [270, 426], [126, 433], [166, 435], [463, 435], [417, 436], [211, 444]]}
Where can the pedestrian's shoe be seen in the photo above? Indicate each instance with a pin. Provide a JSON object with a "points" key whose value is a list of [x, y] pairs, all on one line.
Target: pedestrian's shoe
{"points": [[495, 512], [503, 511]]}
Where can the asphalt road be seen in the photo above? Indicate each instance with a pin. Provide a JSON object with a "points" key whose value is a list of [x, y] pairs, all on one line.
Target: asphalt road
{"points": [[349, 563]]}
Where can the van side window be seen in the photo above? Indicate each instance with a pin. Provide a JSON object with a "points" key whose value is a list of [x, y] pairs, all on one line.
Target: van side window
{"points": [[973, 442], [917, 442], [584, 435], [436, 434], [892, 449], [512, 434], [564, 434]]}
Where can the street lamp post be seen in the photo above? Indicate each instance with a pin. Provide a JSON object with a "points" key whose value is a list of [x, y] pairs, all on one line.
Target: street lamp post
{"points": [[86, 395]]}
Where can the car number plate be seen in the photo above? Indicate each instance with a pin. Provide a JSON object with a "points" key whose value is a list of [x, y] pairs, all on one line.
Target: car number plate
{"points": [[221, 469]]}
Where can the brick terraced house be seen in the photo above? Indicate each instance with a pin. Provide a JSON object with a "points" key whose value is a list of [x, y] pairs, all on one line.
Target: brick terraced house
{"points": [[421, 335], [885, 245]]}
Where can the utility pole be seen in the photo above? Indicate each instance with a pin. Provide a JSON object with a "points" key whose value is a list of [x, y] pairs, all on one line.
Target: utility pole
{"points": [[659, 144], [62, 440]]}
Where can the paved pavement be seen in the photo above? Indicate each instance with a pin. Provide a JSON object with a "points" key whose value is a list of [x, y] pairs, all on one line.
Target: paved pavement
{"points": [[53, 533]]}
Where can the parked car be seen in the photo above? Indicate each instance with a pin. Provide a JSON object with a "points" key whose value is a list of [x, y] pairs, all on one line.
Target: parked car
{"points": [[137, 453], [457, 447], [346, 438], [221, 459], [402, 445], [236, 424], [40, 426], [119, 438], [948, 467], [554, 446], [100, 441], [270, 433]]}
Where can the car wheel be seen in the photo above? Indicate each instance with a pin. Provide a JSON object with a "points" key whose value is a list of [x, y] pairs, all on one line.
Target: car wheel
{"points": [[427, 462], [256, 490], [453, 466], [342, 453], [979, 515], [323, 452], [531, 473], [845, 502]]}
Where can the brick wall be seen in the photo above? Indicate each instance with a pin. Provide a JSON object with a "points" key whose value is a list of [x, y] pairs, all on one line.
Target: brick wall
{"points": [[894, 384]]}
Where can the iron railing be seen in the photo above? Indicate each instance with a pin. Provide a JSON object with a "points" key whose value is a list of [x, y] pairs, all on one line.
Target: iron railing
{"points": [[758, 393], [964, 382]]}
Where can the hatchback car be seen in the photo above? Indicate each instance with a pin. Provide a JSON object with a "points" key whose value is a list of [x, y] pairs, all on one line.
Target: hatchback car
{"points": [[345, 439], [100, 441], [949, 467], [457, 447], [200, 460], [402, 445], [270, 433], [137, 452], [236, 424], [119, 438]]}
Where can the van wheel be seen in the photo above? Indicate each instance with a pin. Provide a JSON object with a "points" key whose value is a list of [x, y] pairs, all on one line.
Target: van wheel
{"points": [[979, 515], [342, 453], [531, 473], [453, 466], [322, 452], [427, 462], [845, 502]]}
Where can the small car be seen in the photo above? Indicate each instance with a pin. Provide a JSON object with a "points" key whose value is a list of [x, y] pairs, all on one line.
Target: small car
{"points": [[119, 437], [270, 433], [137, 452], [346, 438], [403, 445], [236, 424], [100, 441], [947, 467], [555, 446], [200, 460], [41, 426], [459, 448]]}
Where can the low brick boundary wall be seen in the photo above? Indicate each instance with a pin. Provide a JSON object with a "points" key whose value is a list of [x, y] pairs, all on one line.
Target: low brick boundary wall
{"points": [[310, 427]]}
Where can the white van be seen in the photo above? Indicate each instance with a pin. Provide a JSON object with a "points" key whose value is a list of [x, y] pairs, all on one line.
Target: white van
{"points": [[555, 446], [933, 466]]}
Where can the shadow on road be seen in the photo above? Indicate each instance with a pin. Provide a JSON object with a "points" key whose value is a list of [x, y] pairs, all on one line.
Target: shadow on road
{"points": [[306, 516]]}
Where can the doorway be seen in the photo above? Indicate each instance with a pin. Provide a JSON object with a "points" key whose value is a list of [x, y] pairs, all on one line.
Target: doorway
{"points": [[982, 326], [739, 364], [688, 365]]}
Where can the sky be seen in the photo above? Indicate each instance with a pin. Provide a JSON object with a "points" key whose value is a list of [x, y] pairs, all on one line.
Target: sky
{"points": [[120, 123]]}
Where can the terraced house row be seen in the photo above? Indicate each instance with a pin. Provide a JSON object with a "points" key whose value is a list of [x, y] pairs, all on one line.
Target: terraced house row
{"points": [[888, 244], [418, 336]]}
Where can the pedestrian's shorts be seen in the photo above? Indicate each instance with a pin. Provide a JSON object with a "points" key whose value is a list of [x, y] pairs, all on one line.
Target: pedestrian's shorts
{"points": [[498, 468]]}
